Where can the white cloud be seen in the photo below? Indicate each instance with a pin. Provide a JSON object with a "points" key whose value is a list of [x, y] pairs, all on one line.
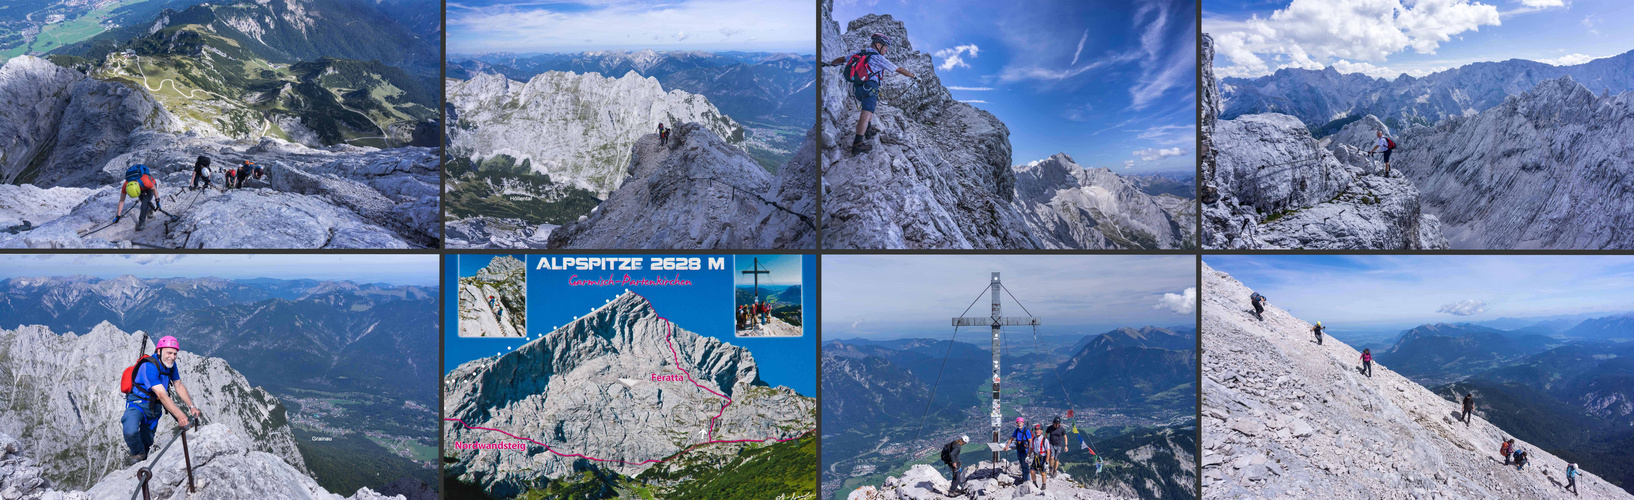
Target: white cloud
{"points": [[1543, 3], [1079, 113], [1183, 302], [728, 32], [681, 36], [1080, 50], [1313, 33], [1128, 163], [1590, 23], [952, 58], [970, 88], [1464, 307], [1569, 60], [975, 100], [1154, 154], [1170, 134], [1344, 66]]}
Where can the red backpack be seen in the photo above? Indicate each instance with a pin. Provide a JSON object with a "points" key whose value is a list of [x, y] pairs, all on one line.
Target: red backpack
{"points": [[857, 69], [1389, 143], [127, 381]]}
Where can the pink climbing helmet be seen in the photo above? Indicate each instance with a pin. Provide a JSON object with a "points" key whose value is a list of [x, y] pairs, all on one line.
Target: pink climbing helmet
{"points": [[168, 341]]}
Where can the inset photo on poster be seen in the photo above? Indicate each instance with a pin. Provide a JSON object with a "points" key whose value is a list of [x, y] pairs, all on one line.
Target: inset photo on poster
{"points": [[767, 296], [1490, 374], [1009, 376], [493, 296], [257, 376], [630, 381]]}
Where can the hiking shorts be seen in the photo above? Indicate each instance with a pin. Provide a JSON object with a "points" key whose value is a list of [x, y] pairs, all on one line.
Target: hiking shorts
{"points": [[1058, 449], [868, 94], [1387, 155]]}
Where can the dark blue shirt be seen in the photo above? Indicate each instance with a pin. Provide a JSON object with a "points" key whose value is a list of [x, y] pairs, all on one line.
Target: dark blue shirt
{"points": [[152, 375]]}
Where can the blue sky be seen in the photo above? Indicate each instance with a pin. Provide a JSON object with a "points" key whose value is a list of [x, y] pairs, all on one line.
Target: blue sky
{"points": [[785, 269], [704, 308], [1408, 290], [1112, 83], [479, 26], [396, 269], [894, 296], [1384, 39]]}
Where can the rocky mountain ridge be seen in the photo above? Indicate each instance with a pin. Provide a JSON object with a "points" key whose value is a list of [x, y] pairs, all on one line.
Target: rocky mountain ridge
{"points": [[1077, 207], [66, 406], [940, 172], [563, 393], [1284, 416], [1268, 184]]}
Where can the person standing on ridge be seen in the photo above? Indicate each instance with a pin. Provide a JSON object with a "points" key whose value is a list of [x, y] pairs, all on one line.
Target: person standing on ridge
{"points": [[950, 456], [663, 135], [1386, 145], [1259, 305], [1469, 406], [1020, 438], [1058, 444], [1040, 445], [1507, 449], [862, 71], [1318, 331], [155, 382], [1367, 362], [1571, 478]]}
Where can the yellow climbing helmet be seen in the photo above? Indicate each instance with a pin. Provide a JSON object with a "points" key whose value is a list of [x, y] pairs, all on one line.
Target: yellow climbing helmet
{"points": [[133, 189]]}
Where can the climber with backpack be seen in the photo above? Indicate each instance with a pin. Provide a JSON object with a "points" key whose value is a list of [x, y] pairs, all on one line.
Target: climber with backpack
{"points": [[1469, 406], [1520, 459], [151, 386], [244, 172], [1507, 449], [1259, 305], [663, 135], [139, 185], [1571, 477], [1386, 145], [1020, 438], [228, 176], [1318, 331], [862, 71], [1040, 445], [201, 172], [950, 456], [1367, 362]]}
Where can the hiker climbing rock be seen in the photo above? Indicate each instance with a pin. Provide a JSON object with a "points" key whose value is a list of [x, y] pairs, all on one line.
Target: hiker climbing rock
{"points": [[1507, 449], [1385, 145], [1019, 439], [950, 456], [1058, 444], [663, 135], [1259, 305], [1520, 459], [1318, 331], [150, 388], [244, 173], [201, 172], [1367, 362], [1571, 477], [139, 184], [1469, 406], [862, 71], [229, 177]]}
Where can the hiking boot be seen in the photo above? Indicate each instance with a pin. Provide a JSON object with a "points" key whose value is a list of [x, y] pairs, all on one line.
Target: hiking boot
{"points": [[860, 146], [135, 459], [872, 131]]}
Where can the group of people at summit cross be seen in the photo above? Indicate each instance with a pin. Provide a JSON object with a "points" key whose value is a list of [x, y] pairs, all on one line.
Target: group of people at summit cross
{"points": [[140, 185], [1510, 453], [1037, 449], [751, 316]]}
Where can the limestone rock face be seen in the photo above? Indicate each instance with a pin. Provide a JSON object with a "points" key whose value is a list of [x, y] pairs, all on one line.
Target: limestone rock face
{"points": [[576, 128], [1284, 417], [700, 191], [496, 232], [65, 401], [504, 279], [983, 481], [1546, 168], [564, 391], [1073, 207], [58, 127], [1274, 186]]}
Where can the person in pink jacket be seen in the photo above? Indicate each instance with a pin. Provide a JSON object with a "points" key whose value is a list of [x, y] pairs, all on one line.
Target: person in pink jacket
{"points": [[1367, 362]]}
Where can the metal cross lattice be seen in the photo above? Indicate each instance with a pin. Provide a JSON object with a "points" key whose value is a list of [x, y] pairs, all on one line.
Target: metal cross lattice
{"points": [[997, 321], [756, 271]]}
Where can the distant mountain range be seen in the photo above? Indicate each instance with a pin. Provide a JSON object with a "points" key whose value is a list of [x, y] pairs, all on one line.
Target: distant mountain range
{"points": [[1326, 99]]}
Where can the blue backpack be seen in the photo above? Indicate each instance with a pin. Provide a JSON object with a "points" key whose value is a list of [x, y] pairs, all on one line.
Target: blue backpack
{"points": [[135, 172]]}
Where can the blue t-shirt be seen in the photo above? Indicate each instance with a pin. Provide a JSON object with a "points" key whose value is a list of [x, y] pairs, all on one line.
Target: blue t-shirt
{"points": [[152, 375], [1022, 436]]}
